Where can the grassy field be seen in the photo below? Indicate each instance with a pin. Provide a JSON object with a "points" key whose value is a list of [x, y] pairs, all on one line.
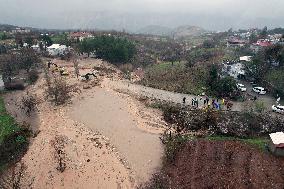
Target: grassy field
{"points": [[7, 123], [175, 77], [13, 138]]}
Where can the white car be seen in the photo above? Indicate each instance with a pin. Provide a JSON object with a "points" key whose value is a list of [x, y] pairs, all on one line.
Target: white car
{"points": [[259, 90], [241, 87], [278, 109]]}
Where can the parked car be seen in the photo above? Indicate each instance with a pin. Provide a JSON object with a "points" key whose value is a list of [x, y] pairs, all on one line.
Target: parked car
{"points": [[241, 87], [278, 109], [259, 90]]}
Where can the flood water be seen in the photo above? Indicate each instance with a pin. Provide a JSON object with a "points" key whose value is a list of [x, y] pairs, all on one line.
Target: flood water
{"points": [[107, 113]]}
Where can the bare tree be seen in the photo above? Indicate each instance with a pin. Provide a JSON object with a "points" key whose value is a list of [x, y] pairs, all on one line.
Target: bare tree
{"points": [[29, 103], [76, 67]]}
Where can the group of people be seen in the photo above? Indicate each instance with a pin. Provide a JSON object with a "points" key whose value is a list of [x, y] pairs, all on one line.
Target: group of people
{"points": [[214, 104]]}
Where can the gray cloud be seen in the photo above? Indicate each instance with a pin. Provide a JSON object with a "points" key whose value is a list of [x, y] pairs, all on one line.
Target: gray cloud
{"points": [[134, 14]]}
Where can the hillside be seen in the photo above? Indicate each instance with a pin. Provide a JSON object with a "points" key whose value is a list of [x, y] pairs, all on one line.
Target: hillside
{"points": [[7, 27], [181, 31], [155, 30], [187, 31]]}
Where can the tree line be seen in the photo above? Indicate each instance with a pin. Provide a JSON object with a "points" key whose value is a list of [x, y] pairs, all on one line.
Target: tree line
{"points": [[109, 48]]}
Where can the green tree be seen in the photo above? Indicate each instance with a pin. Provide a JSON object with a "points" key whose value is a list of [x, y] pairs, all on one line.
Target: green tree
{"points": [[226, 86], [86, 46], [46, 40], [208, 44], [27, 59], [3, 36], [258, 67], [109, 48], [264, 32], [61, 39], [213, 77], [253, 38], [29, 41]]}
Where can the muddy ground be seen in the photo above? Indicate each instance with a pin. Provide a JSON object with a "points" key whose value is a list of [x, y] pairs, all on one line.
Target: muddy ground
{"points": [[225, 164]]}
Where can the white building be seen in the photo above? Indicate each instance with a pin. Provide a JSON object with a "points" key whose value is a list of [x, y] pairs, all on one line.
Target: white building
{"points": [[245, 58], [277, 143], [36, 48], [21, 30], [57, 49], [236, 70]]}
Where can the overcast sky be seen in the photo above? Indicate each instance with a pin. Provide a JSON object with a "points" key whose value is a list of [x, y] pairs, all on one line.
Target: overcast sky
{"points": [[135, 14]]}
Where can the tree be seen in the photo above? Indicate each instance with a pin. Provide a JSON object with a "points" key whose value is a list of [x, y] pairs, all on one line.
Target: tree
{"points": [[208, 44], [62, 39], [226, 86], [190, 61], [275, 79], [275, 53], [253, 38], [46, 40], [29, 41], [3, 36], [109, 48], [258, 67], [264, 33], [28, 59], [58, 90], [86, 46], [213, 77]]}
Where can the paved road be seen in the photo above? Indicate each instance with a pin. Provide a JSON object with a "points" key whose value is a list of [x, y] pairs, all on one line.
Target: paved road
{"points": [[267, 99], [160, 94]]}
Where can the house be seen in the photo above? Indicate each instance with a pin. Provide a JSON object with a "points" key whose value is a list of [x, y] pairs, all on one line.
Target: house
{"points": [[245, 58], [36, 48], [235, 70], [235, 42], [260, 44], [80, 36], [276, 145], [21, 30], [57, 49]]}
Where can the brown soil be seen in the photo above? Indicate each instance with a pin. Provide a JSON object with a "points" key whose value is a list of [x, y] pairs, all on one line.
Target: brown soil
{"points": [[225, 164], [67, 152]]}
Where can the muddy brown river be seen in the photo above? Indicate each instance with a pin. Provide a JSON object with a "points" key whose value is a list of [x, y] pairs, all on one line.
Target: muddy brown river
{"points": [[106, 112]]}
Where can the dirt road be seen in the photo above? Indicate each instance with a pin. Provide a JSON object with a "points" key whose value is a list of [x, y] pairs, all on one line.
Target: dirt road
{"points": [[140, 90], [107, 112]]}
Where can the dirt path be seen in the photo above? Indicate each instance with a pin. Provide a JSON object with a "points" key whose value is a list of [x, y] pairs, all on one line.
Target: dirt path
{"points": [[115, 117], [140, 90]]}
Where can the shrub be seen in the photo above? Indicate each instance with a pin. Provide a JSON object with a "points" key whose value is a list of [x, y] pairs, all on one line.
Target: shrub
{"points": [[172, 145], [15, 85], [33, 76], [29, 103], [59, 91], [59, 144], [158, 181], [13, 146], [259, 107]]}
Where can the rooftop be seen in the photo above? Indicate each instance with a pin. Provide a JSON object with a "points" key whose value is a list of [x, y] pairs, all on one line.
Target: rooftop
{"points": [[277, 139]]}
